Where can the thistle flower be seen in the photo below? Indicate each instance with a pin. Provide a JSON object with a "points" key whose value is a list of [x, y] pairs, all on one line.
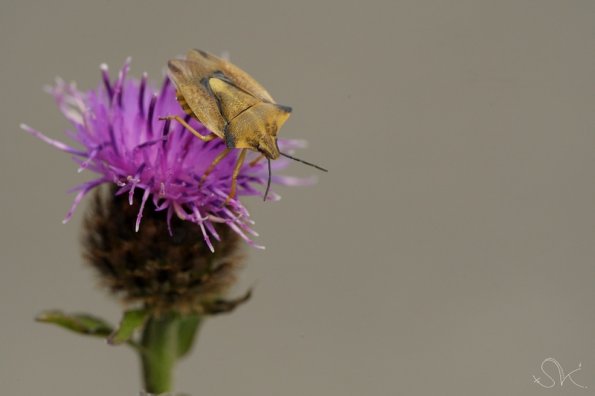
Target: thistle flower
{"points": [[159, 263], [126, 145]]}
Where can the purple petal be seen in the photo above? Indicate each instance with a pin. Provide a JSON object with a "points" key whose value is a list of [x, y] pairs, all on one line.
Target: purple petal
{"points": [[200, 221], [59, 145], [142, 207], [84, 189]]}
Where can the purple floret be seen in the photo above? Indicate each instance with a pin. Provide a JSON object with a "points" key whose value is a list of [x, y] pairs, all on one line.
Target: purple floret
{"points": [[124, 142]]}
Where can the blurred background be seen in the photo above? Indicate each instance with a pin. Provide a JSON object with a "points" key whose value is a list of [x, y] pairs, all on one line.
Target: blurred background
{"points": [[448, 251]]}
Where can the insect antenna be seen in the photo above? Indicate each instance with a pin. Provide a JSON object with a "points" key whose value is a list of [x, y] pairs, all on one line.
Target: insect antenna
{"points": [[268, 182], [303, 162]]}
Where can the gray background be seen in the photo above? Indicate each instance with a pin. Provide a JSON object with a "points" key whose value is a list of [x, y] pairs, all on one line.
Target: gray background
{"points": [[449, 250]]}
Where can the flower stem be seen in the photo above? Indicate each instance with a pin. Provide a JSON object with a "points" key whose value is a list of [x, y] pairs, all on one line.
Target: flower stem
{"points": [[159, 352]]}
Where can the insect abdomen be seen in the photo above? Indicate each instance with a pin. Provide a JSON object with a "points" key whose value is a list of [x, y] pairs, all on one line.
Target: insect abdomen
{"points": [[182, 101]]}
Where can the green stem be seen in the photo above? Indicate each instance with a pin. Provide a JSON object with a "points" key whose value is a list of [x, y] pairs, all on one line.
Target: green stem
{"points": [[159, 352]]}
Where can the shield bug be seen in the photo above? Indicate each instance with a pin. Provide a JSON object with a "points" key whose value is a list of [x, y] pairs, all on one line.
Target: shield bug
{"points": [[233, 106]]}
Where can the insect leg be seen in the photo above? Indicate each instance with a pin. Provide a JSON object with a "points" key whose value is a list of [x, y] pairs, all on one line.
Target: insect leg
{"points": [[256, 160], [236, 172], [217, 159], [206, 138]]}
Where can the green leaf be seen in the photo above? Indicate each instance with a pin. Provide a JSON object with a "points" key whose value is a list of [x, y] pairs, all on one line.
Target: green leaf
{"points": [[187, 328], [79, 323], [131, 321]]}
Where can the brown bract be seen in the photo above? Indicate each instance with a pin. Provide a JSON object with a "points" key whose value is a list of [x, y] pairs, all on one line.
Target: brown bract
{"points": [[152, 268]]}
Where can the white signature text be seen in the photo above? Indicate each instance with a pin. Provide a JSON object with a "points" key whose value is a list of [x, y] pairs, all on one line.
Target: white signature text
{"points": [[558, 378]]}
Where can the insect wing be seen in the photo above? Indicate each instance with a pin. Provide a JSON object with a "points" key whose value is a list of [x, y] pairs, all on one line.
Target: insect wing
{"points": [[232, 101], [237, 76], [191, 80]]}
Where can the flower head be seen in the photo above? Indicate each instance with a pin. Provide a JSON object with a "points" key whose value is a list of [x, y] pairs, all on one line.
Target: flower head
{"points": [[151, 269], [125, 144]]}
